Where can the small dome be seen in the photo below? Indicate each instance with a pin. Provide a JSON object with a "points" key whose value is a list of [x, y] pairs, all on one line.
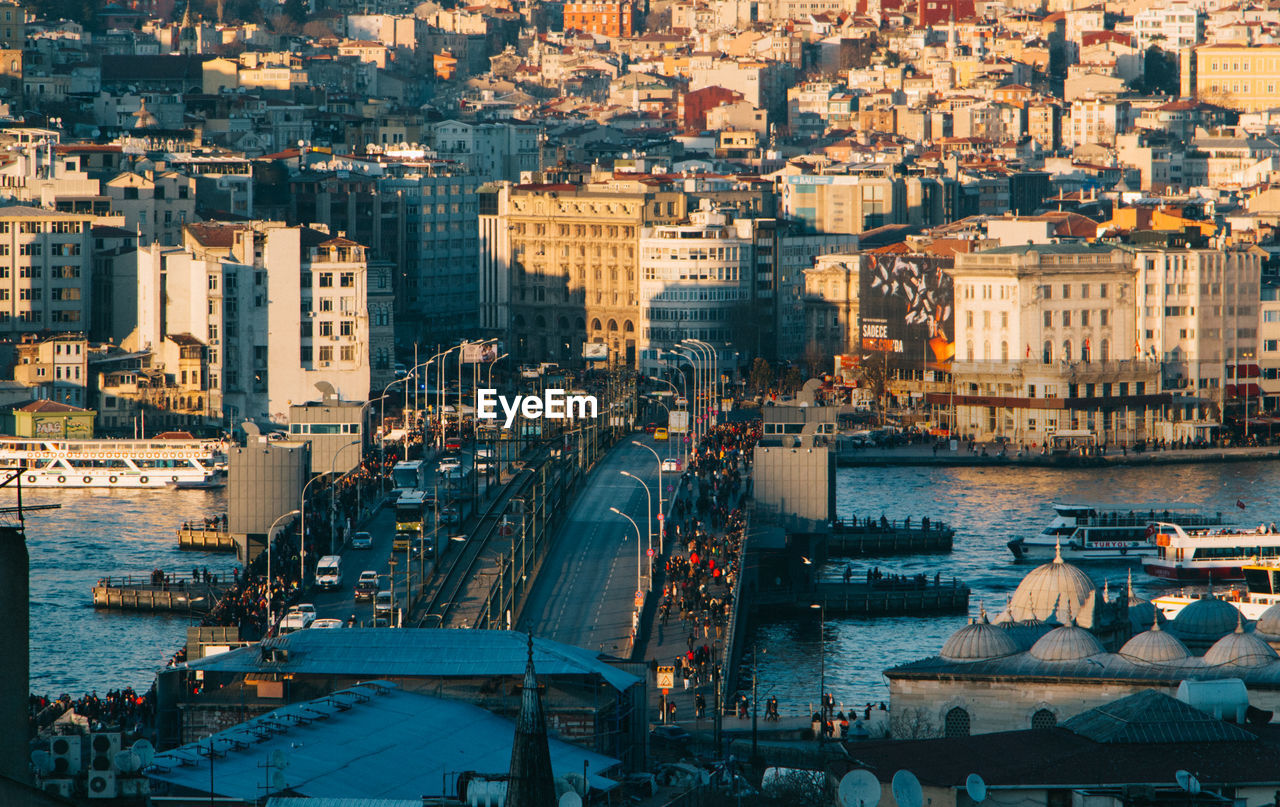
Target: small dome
{"points": [[977, 641], [1067, 643], [1269, 621], [1048, 588], [1241, 649], [1025, 634], [1155, 647], [1206, 619]]}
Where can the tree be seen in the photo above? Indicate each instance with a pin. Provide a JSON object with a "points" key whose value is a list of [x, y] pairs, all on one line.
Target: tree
{"points": [[318, 30], [296, 10], [793, 379], [912, 723], [1160, 71], [816, 361], [761, 375]]}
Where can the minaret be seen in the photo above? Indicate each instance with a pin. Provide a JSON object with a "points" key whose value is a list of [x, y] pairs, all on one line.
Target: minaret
{"points": [[951, 35], [530, 781]]}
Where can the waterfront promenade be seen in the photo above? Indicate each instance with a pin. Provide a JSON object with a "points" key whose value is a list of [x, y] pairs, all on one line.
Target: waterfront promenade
{"points": [[992, 455]]}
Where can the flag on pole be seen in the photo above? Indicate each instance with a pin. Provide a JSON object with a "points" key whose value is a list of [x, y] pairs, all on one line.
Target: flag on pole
{"points": [[1240, 503]]}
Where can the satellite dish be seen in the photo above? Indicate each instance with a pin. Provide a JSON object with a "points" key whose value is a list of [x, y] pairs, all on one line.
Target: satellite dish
{"points": [[277, 780], [1188, 782], [42, 761], [278, 760], [128, 761], [859, 788], [570, 799], [976, 788], [906, 789], [145, 750]]}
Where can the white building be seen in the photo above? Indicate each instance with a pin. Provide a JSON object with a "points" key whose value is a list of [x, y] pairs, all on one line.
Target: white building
{"points": [[46, 271], [1172, 27], [491, 151]]}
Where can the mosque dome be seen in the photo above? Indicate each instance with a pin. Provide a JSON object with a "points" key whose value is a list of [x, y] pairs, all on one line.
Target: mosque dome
{"points": [[1206, 619], [1067, 643], [1269, 621], [1241, 649], [1048, 588], [1155, 646], [977, 641]]}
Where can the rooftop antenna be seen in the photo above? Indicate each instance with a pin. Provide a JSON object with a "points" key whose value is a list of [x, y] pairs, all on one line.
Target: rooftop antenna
{"points": [[976, 788], [859, 788], [906, 789], [1188, 782]]}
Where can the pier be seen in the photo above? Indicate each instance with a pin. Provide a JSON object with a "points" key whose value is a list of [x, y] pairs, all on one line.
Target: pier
{"points": [[848, 540], [881, 598], [205, 539], [145, 594]]}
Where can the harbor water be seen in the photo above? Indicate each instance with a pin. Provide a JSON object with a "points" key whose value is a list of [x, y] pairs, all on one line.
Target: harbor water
{"points": [[107, 533], [987, 507], [76, 649]]}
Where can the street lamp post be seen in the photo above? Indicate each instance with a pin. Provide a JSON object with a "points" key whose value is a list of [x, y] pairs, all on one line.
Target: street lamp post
{"points": [[639, 585], [302, 508], [333, 490], [270, 539], [648, 508], [822, 665], [661, 509]]}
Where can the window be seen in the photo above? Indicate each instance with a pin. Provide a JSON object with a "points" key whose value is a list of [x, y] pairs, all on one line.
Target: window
{"points": [[326, 328], [1048, 352], [1066, 319], [326, 353], [1043, 719], [347, 352], [956, 723], [347, 279], [1102, 317], [1066, 292], [348, 327], [326, 280]]}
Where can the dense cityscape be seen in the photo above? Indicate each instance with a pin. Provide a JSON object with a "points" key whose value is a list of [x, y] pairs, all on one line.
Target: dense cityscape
{"points": [[846, 403]]}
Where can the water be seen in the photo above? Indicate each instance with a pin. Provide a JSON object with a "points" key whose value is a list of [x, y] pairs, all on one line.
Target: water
{"points": [[987, 506], [75, 648]]}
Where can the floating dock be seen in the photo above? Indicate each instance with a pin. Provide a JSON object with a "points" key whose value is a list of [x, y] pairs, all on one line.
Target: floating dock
{"points": [[200, 539], [140, 594], [897, 538], [881, 598]]}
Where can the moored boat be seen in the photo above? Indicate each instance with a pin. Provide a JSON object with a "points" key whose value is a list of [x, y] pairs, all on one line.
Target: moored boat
{"points": [[1089, 533], [1260, 591], [153, 463], [1219, 553]]}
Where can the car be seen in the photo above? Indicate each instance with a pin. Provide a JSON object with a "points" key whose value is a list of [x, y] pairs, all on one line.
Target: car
{"points": [[298, 617], [453, 444], [403, 541], [671, 465], [650, 428], [382, 604], [362, 540], [366, 586], [327, 624], [449, 463], [660, 434], [483, 453], [673, 735]]}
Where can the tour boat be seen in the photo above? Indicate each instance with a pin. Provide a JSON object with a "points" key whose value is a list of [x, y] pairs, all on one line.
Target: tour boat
{"points": [[1087, 533], [1218, 553], [1261, 591], [152, 463]]}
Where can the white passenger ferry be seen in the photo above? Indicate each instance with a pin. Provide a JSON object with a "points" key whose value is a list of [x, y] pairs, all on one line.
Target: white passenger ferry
{"points": [[1088, 533], [152, 463], [1261, 591], [1219, 553]]}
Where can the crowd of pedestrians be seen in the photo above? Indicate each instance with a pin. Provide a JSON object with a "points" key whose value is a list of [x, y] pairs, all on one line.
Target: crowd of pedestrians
{"points": [[121, 710]]}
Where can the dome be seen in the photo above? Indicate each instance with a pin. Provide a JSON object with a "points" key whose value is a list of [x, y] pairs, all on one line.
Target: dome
{"points": [[1155, 647], [1206, 619], [1048, 588], [977, 641], [1241, 649], [1025, 634], [1269, 621], [1067, 643]]}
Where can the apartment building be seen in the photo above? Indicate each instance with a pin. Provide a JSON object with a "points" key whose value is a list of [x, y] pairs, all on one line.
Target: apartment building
{"points": [[559, 262], [1173, 27], [831, 305], [55, 369], [491, 151], [614, 18], [862, 200], [46, 263], [1240, 77], [156, 203], [1198, 316], [1044, 338]]}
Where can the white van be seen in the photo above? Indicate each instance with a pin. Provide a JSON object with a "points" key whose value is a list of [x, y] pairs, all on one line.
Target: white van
{"points": [[329, 573]]}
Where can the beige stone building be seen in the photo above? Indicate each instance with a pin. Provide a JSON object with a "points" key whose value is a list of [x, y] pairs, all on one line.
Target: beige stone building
{"points": [[831, 305]]}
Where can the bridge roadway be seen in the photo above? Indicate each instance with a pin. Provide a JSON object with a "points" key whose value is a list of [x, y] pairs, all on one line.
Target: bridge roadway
{"points": [[584, 594]]}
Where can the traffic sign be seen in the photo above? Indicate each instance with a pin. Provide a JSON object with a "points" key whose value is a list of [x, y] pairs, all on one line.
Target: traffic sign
{"points": [[666, 677], [650, 551], [661, 516]]}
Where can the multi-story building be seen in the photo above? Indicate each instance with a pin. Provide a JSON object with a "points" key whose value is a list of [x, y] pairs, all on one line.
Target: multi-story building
{"points": [[1172, 27], [559, 263], [1241, 77], [831, 305], [56, 369], [1097, 120], [46, 262], [1268, 347], [1198, 316], [155, 203], [1044, 341], [613, 18], [861, 200], [491, 151]]}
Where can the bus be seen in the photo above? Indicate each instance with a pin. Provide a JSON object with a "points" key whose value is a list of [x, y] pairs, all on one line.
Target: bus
{"points": [[411, 475], [411, 511]]}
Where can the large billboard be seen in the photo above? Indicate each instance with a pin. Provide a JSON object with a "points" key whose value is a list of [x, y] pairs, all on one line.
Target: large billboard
{"points": [[906, 309], [479, 352]]}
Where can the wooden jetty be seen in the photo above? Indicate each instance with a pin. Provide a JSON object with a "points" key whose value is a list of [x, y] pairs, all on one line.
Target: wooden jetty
{"points": [[141, 594], [881, 598], [894, 538], [201, 539]]}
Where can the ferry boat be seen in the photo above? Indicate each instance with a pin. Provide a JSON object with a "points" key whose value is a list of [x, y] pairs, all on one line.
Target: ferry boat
{"points": [[1261, 591], [1087, 533], [1218, 553], [155, 463]]}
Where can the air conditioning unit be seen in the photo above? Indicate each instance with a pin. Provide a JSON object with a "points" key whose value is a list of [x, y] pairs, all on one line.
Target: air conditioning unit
{"points": [[102, 785], [135, 787], [65, 788], [325, 363], [66, 754], [102, 751]]}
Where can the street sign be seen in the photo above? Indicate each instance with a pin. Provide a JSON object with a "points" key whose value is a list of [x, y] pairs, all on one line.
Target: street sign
{"points": [[662, 516], [649, 551], [666, 677]]}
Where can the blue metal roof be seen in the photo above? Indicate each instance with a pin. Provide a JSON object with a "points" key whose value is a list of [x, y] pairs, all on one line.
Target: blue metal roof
{"points": [[426, 653], [373, 741]]}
